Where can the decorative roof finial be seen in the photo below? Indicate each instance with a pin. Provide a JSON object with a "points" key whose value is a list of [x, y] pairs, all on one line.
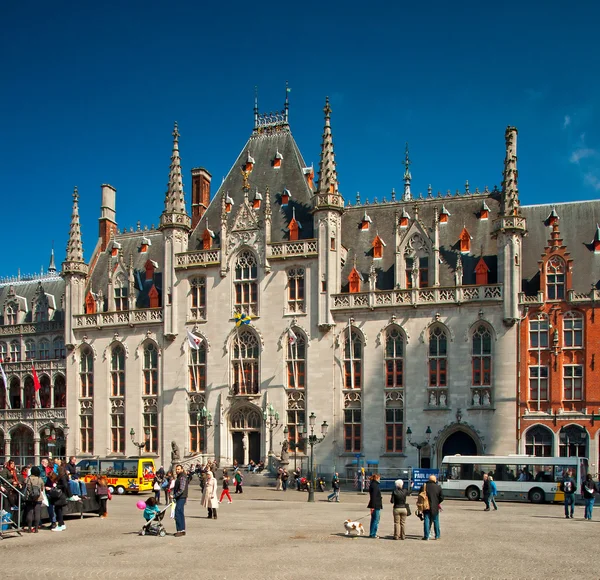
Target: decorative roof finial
{"points": [[74, 262], [255, 107], [286, 108], [407, 176], [328, 194], [52, 266], [510, 190]]}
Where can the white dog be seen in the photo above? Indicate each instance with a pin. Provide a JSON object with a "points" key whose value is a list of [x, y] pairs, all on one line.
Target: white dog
{"points": [[350, 525]]}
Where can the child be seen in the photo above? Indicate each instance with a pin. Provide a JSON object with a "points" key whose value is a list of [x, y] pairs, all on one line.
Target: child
{"points": [[103, 494], [225, 491], [151, 509]]}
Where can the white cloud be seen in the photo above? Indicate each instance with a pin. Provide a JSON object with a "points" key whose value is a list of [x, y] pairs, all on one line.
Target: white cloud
{"points": [[582, 153], [567, 121], [592, 180]]}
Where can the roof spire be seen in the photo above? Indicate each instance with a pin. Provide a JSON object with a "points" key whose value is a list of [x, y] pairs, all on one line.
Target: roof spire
{"points": [[74, 262], [286, 108], [255, 107], [407, 176], [510, 190], [52, 266], [175, 214]]}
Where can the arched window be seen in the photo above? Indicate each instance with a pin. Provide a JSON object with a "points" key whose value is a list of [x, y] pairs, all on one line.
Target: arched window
{"points": [[45, 392], [60, 392], [573, 441], [3, 351], [394, 358], [246, 285], [15, 351], [246, 355], [121, 293], [41, 311], [482, 356], [353, 352], [555, 278], [86, 373], [58, 345], [197, 367], [538, 332], [296, 359], [295, 281], [29, 349], [198, 296], [150, 369], [438, 357], [15, 393], [29, 393], [197, 430], [573, 330], [117, 371], [538, 442], [44, 350], [12, 310]]}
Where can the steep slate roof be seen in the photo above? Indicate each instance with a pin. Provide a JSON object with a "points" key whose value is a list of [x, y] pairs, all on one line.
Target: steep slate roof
{"points": [[577, 225], [263, 147], [130, 245], [54, 288], [464, 210]]}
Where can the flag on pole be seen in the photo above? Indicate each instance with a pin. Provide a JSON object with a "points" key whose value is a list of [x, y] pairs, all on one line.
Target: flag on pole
{"points": [[194, 340], [241, 318], [36, 387], [5, 386], [292, 337]]}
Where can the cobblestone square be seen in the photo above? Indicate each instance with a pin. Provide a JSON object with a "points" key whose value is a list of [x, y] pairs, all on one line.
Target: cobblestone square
{"points": [[277, 535]]}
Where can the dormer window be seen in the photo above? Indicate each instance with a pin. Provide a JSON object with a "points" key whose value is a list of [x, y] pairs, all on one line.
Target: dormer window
{"points": [[378, 245], [12, 310], [354, 280], [257, 200], [364, 224], [404, 218], [90, 304], [285, 196], [228, 204], [481, 272], [207, 239], [150, 267], [144, 245], [596, 241], [465, 242], [277, 161], [294, 227], [309, 174], [153, 296], [444, 215], [552, 218], [249, 162], [484, 212], [555, 279]]}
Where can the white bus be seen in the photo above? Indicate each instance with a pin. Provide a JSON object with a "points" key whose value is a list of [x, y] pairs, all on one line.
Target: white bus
{"points": [[517, 477]]}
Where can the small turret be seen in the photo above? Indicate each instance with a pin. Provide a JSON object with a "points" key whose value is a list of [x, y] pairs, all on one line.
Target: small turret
{"points": [[407, 195]]}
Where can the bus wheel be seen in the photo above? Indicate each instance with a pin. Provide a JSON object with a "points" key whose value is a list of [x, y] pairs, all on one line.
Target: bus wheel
{"points": [[120, 490], [111, 489], [536, 495], [473, 493]]}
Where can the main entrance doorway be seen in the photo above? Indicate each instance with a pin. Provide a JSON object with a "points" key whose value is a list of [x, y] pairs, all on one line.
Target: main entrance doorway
{"points": [[459, 443], [246, 424]]}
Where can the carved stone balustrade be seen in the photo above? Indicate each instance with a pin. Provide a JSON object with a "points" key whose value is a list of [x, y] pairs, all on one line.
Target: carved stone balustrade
{"points": [[121, 318], [299, 249], [198, 258]]}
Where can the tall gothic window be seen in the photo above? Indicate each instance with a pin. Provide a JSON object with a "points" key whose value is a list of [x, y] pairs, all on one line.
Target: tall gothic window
{"points": [[197, 367], [15, 350], [438, 358], [482, 356], [41, 311], [197, 439], [151, 427], [538, 332], [29, 393], [44, 350], [58, 345], [352, 430], [117, 371], [538, 386], [30, 350], [45, 392], [86, 373], [86, 433], [394, 358], [353, 352], [394, 428], [11, 313], [555, 279], [295, 418], [120, 291], [295, 288], [246, 356], [538, 442], [150, 369], [3, 352], [60, 392], [117, 432], [198, 295], [246, 284], [573, 330], [296, 361]]}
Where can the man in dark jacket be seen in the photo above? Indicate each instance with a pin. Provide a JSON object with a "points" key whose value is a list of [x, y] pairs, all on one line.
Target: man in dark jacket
{"points": [[487, 490], [569, 487], [375, 504], [180, 493], [588, 491], [432, 515]]}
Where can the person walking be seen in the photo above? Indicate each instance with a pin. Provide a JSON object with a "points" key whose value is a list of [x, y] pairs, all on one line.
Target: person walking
{"points": [[102, 495], [59, 490], [398, 498], [34, 488], [335, 487], [493, 491], [180, 493], [588, 491], [435, 497], [375, 505], [568, 487], [487, 490], [284, 479], [209, 496], [225, 491], [279, 479], [238, 482]]}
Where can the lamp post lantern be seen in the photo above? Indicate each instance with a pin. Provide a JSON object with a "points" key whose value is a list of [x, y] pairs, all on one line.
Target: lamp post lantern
{"points": [[142, 444], [204, 418], [271, 419], [312, 441], [419, 445]]}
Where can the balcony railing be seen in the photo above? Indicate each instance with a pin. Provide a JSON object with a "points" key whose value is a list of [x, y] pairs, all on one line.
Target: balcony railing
{"points": [[52, 414], [121, 318], [42, 366], [301, 248], [32, 328], [452, 295], [572, 296], [198, 258]]}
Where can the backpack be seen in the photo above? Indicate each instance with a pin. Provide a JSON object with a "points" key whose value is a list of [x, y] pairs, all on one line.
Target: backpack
{"points": [[32, 492], [423, 500]]}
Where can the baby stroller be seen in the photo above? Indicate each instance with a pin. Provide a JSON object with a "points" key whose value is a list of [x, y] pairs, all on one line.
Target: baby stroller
{"points": [[154, 527]]}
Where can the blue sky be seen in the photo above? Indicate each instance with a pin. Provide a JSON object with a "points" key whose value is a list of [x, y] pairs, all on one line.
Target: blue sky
{"points": [[91, 91]]}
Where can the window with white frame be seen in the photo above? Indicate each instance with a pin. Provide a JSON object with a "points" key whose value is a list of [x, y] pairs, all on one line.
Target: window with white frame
{"points": [[538, 442], [296, 361], [295, 288], [15, 351], [197, 430], [197, 367], [246, 284], [151, 427], [438, 357], [352, 430], [30, 350], [117, 431], [198, 297], [12, 310], [150, 369], [538, 386], [86, 373], [245, 359], [120, 293], [86, 432], [295, 418], [353, 352], [394, 358], [555, 278], [572, 382], [538, 332], [117, 371], [482, 356], [573, 330]]}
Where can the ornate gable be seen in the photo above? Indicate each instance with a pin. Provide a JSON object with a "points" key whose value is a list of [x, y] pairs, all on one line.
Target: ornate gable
{"points": [[245, 218]]}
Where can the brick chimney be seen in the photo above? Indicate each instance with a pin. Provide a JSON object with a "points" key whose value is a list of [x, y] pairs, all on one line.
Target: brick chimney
{"points": [[200, 193], [108, 214]]}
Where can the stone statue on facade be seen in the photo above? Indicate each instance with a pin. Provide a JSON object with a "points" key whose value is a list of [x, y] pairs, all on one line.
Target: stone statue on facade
{"points": [[285, 457], [486, 399], [476, 399], [175, 456], [432, 400], [443, 400]]}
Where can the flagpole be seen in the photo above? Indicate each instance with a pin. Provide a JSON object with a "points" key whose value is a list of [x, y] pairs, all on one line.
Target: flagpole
{"points": [[6, 393], [241, 359], [295, 362], [350, 346]]}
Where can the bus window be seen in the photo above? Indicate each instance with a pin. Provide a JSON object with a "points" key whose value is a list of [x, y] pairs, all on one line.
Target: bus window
{"points": [[561, 471], [506, 473], [489, 469], [524, 473], [543, 472], [467, 471]]}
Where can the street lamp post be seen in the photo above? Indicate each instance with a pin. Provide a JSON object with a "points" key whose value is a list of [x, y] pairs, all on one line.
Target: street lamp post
{"points": [[420, 445], [142, 444], [204, 418], [271, 419], [312, 441]]}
